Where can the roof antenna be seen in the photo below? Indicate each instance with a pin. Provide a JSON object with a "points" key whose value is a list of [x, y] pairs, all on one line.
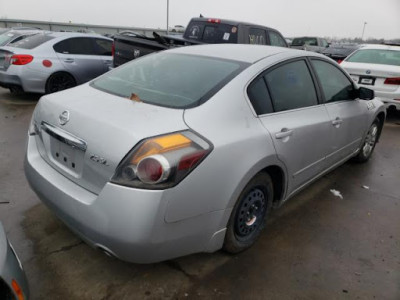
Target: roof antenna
{"points": [[201, 16]]}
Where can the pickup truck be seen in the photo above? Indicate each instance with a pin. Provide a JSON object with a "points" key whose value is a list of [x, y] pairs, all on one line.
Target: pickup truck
{"points": [[199, 31], [314, 44]]}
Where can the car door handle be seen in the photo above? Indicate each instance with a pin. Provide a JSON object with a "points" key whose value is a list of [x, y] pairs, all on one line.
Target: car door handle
{"points": [[69, 60], [337, 121], [285, 132]]}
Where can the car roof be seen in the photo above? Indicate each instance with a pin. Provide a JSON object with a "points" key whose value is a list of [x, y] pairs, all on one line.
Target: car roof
{"points": [[383, 47], [73, 34], [230, 22], [22, 32], [238, 52]]}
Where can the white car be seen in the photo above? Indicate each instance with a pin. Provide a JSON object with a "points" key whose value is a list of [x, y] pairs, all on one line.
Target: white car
{"points": [[377, 67]]}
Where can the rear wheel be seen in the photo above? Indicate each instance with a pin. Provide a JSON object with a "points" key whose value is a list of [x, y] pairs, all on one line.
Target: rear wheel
{"points": [[249, 214], [59, 81], [369, 142]]}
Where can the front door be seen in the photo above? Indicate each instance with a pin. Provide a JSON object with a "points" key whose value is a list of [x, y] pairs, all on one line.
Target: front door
{"points": [[347, 116]]}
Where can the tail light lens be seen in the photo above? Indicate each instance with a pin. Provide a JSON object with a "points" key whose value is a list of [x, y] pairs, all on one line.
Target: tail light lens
{"points": [[21, 59], [113, 49], [162, 162], [339, 61], [395, 81]]}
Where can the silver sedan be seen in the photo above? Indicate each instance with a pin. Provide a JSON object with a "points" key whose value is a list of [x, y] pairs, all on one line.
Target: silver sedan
{"points": [[53, 61], [13, 284], [187, 150]]}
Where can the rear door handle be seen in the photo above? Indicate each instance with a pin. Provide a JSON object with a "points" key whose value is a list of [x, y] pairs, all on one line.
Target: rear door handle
{"points": [[69, 60], [284, 133], [337, 121]]}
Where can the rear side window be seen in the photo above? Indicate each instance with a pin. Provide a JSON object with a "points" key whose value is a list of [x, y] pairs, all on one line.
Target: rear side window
{"points": [[80, 46], [257, 36], [33, 41], [291, 86], [335, 85], [276, 40], [259, 97], [212, 33], [376, 56], [103, 47]]}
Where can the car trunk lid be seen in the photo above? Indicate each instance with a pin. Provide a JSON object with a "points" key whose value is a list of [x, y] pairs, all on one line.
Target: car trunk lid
{"points": [[373, 75], [98, 132]]}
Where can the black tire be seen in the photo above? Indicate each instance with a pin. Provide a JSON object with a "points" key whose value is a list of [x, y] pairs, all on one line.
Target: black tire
{"points": [[369, 143], [59, 81], [249, 215]]}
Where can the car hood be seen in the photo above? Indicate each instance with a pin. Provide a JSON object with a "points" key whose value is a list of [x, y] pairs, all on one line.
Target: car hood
{"points": [[109, 125]]}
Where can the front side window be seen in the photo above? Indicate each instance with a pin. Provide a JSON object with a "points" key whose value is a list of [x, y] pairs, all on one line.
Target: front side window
{"points": [[80, 46], [376, 56], [276, 39], [257, 36], [335, 85], [170, 80], [291, 86]]}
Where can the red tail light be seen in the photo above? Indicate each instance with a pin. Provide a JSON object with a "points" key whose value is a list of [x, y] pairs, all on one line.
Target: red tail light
{"points": [[217, 21], [395, 80], [21, 59], [113, 49], [339, 61]]}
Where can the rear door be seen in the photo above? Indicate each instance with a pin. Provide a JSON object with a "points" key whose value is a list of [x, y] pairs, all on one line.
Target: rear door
{"points": [[347, 115], [286, 101], [79, 57]]}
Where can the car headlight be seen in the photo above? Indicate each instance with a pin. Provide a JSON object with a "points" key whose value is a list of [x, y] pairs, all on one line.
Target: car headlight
{"points": [[163, 161]]}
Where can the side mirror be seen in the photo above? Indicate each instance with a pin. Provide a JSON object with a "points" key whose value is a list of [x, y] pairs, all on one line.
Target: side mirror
{"points": [[366, 94]]}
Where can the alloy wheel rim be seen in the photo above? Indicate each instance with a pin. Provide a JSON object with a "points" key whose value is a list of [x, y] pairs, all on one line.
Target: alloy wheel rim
{"points": [[370, 140]]}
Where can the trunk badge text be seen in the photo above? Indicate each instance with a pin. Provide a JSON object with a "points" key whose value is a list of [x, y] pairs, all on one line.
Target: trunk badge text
{"points": [[64, 117], [99, 159]]}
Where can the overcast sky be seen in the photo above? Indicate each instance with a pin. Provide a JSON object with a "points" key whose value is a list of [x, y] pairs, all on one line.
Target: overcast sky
{"points": [[333, 18]]}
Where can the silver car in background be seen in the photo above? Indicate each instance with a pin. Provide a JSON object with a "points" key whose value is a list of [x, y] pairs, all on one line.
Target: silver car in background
{"points": [[54, 61], [13, 284], [187, 150]]}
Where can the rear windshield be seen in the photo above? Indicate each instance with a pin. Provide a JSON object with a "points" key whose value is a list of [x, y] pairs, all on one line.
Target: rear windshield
{"points": [[5, 38], [33, 41], [376, 56], [170, 80], [305, 41], [211, 33]]}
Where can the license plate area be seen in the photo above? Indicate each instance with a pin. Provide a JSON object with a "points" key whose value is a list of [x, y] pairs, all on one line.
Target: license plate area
{"points": [[63, 150], [366, 80]]}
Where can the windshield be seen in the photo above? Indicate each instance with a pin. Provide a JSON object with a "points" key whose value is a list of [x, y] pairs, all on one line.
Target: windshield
{"points": [[376, 56], [5, 38], [170, 80], [305, 41]]}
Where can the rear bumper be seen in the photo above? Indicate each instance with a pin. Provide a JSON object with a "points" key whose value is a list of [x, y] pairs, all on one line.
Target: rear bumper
{"points": [[128, 223], [8, 80]]}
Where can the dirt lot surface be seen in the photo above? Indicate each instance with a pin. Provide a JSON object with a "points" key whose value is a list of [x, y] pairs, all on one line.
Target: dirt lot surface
{"points": [[316, 246]]}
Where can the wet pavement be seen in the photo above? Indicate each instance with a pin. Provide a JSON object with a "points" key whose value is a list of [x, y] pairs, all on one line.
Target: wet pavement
{"points": [[316, 246]]}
